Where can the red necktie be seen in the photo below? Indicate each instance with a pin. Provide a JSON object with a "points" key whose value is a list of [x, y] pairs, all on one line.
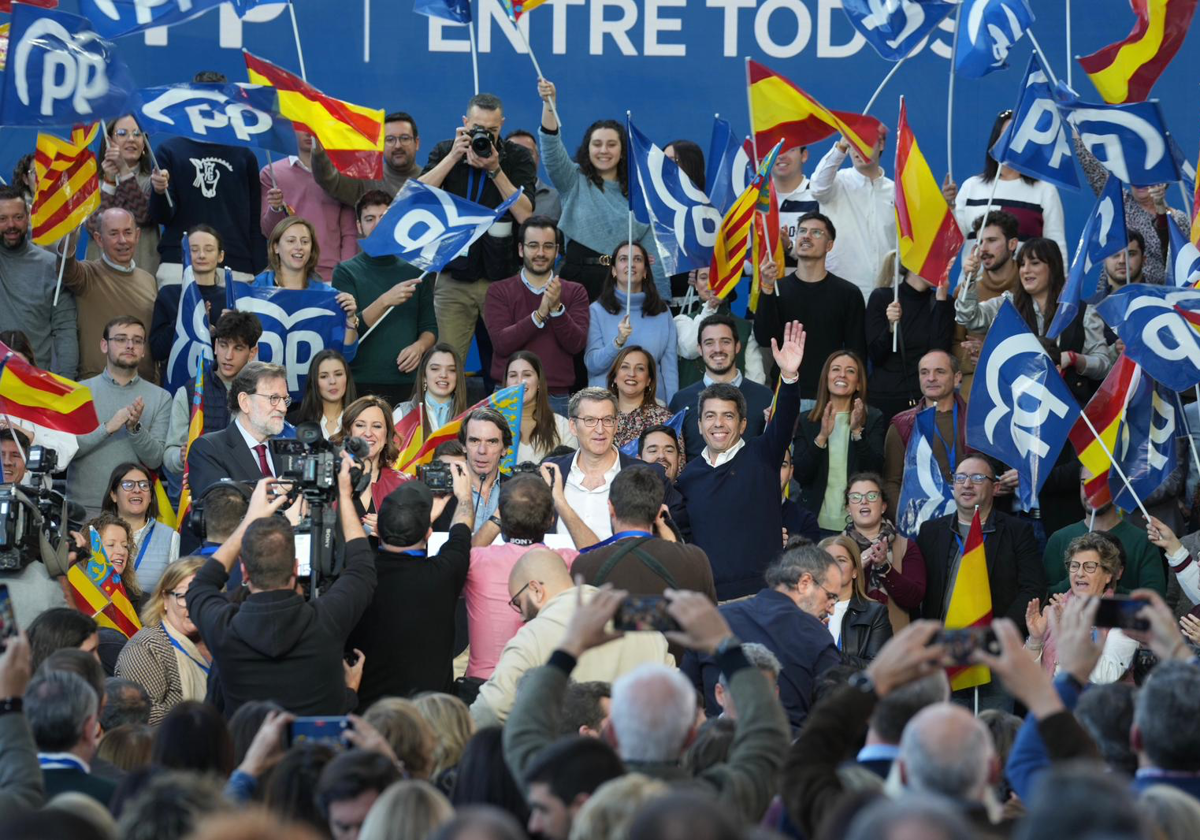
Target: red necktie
{"points": [[261, 451]]}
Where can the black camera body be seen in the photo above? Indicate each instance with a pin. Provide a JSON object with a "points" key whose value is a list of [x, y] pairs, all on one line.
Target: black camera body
{"points": [[437, 477], [311, 463], [33, 519], [481, 142]]}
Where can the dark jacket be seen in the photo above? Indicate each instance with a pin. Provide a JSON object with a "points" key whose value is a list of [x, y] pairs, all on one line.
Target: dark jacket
{"points": [[800, 521], [166, 311], [812, 462], [671, 497], [926, 323], [1015, 573], [758, 399], [865, 629], [277, 646], [71, 780], [222, 454]]}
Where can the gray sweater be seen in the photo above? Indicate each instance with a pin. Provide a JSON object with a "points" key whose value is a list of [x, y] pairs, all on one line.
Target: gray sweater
{"points": [[27, 278], [100, 453]]}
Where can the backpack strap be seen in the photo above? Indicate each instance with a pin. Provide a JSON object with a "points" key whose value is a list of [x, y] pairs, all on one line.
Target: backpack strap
{"points": [[633, 547]]}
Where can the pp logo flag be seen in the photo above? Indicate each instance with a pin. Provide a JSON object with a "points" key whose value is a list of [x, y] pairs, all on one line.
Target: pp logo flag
{"points": [[1145, 445], [1184, 265], [1131, 141], [896, 28], [924, 495], [1159, 326], [730, 166], [124, 17], [1103, 235], [1035, 142], [60, 72], [193, 340], [233, 115], [987, 31]]}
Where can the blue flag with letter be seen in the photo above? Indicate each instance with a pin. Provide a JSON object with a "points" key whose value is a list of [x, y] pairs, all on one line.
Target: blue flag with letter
{"points": [[60, 72], [1145, 446], [193, 337], [1036, 142], [1130, 141], [1103, 235], [680, 216], [924, 495], [113, 18], [895, 28], [1159, 325], [1021, 410], [675, 423], [428, 227], [1184, 265], [987, 30], [456, 10], [233, 115], [729, 168], [297, 324]]}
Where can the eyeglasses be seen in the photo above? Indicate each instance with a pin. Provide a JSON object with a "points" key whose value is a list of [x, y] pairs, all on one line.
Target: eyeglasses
{"points": [[829, 596], [135, 133], [129, 484], [393, 139], [974, 478], [136, 340], [1090, 566], [180, 597], [870, 496], [512, 602], [609, 422], [273, 399], [815, 233]]}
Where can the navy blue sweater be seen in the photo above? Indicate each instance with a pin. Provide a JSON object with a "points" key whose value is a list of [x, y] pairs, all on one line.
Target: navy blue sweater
{"points": [[735, 511]]}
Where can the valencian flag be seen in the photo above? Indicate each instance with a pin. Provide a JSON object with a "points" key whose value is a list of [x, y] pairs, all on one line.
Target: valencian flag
{"points": [[733, 237], [782, 111], [516, 8], [766, 241], [99, 592], [508, 401], [1127, 70], [68, 189], [42, 398], [930, 238], [351, 135], [1106, 409], [970, 604], [195, 429]]}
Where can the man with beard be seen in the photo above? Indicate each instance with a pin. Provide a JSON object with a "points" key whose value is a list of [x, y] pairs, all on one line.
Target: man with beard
{"points": [[28, 275], [717, 339], [134, 415], [1114, 265], [992, 266], [540, 312], [400, 145], [660, 445]]}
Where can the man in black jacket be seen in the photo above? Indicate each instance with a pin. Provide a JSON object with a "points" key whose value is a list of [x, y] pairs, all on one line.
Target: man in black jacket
{"points": [[276, 645]]}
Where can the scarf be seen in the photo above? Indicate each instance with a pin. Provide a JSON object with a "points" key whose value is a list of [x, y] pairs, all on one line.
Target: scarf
{"points": [[1050, 644], [193, 675], [876, 582]]}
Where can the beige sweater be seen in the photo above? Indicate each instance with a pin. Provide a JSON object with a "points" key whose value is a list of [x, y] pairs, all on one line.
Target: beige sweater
{"points": [[103, 293]]}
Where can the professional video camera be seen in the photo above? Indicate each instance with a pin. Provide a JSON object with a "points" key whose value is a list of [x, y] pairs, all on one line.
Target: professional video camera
{"points": [[34, 519], [482, 143]]}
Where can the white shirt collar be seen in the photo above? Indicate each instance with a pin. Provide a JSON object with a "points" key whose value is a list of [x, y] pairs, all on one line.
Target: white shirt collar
{"points": [[736, 382], [295, 161], [727, 455], [575, 474], [251, 441]]}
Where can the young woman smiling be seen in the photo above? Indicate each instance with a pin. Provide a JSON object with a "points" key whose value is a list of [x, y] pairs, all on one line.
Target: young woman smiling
{"points": [[131, 497], [541, 429], [370, 418], [329, 389], [125, 183], [117, 539], [633, 377], [439, 390]]}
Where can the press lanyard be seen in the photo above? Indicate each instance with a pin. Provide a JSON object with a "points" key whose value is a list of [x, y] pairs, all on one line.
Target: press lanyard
{"points": [[175, 644], [137, 564], [471, 185], [620, 535]]}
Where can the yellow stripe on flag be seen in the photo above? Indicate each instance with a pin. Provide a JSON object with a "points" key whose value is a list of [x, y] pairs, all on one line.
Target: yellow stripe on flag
{"points": [[971, 601]]}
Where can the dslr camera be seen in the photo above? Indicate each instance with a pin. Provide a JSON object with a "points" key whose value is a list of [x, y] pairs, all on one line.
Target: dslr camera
{"points": [[437, 477], [481, 142], [34, 519], [311, 464]]}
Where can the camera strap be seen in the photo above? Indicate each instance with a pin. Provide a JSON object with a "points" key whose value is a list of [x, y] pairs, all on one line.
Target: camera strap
{"points": [[472, 193], [633, 547]]}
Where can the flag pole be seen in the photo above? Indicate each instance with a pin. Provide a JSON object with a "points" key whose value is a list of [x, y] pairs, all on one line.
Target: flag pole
{"points": [[896, 264], [1069, 52], [366, 31], [536, 68], [1187, 199], [883, 84], [950, 96], [154, 161], [271, 169], [629, 249], [1045, 61], [750, 112], [296, 33], [475, 58], [62, 264], [1092, 522], [1120, 472], [1187, 427], [386, 313]]}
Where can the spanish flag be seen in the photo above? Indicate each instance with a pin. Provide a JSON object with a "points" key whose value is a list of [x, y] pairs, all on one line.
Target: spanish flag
{"points": [[44, 399], [351, 135], [929, 236], [68, 189], [508, 401], [166, 513], [733, 237], [195, 429], [410, 435], [783, 112], [1127, 70], [98, 592], [970, 604], [1105, 409]]}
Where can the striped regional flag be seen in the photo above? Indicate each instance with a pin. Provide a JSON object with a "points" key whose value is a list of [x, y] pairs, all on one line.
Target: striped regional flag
{"points": [[68, 188]]}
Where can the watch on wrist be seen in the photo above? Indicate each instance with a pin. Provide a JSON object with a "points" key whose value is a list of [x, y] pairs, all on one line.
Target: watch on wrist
{"points": [[495, 520], [12, 704], [354, 321], [862, 682]]}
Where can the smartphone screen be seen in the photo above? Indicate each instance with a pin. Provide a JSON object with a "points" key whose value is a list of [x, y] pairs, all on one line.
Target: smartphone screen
{"points": [[326, 730], [8, 618], [1121, 613], [304, 554]]}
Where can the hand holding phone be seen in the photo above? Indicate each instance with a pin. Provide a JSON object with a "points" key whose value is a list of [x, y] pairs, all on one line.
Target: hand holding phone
{"points": [[319, 729], [1121, 613], [647, 612]]}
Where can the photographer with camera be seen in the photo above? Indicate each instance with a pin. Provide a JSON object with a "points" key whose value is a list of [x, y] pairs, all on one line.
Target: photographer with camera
{"points": [[407, 632], [480, 167], [276, 645]]}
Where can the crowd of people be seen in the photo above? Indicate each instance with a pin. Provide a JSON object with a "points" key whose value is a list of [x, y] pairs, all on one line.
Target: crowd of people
{"points": [[687, 611]]}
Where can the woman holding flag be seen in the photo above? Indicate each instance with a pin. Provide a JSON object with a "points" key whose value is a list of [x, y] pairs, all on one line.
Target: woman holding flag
{"points": [[116, 537], [370, 418], [541, 429], [125, 163], [131, 497], [206, 253]]}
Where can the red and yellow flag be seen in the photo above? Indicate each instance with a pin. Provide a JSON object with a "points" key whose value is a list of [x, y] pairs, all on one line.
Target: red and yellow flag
{"points": [[508, 401], [766, 240], [1106, 410], [166, 512], [44, 399], [99, 592], [929, 236], [782, 111], [410, 435], [516, 8], [68, 189], [1127, 70], [970, 604], [351, 135], [734, 235]]}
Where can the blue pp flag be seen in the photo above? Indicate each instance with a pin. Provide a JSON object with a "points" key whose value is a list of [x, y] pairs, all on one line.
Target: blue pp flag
{"points": [[924, 495], [428, 227], [675, 424], [1184, 266], [1036, 141], [1021, 409], [896, 28], [1130, 141], [1103, 235], [113, 18], [680, 216], [60, 72], [297, 324], [987, 31], [193, 338], [1145, 445], [228, 114], [729, 167], [1159, 325], [455, 10]]}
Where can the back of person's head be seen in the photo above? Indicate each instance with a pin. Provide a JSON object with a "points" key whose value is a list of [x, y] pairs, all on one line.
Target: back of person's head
{"points": [[484, 778], [56, 823], [402, 726], [78, 662], [682, 816], [1106, 712], [945, 751], [291, 789], [224, 509], [893, 712], [526, 508], [245, 723], [636, 495], [609, 810], [1173, 814], [125, 702], [170, 805], [61, 709], [574, 766], [1166, 717], [711, 744], [254, 823], [57, 628], [127, 746], [408, 810], [351, 774], [1080, 799], [82, 805], [481, 822], [759, 656], [210, 77], [452, 726], [653, 710], [794, 563], [583, 707], [544, 566], [269, 553], [927, 817], [193, 736]]}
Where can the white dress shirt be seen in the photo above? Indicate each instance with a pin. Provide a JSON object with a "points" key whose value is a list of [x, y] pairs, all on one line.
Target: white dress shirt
{"points": [[590, 505], [252, 442]]}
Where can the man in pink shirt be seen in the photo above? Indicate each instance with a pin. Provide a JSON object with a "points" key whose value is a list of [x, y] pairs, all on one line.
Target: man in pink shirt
{"points": [[288, 189]]}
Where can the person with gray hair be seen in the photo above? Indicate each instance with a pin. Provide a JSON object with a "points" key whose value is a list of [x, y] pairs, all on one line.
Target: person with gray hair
{"points": [[945, 751], [1166, 728], [788, 618], [653, 711], [125, 701], [63, 713], [170, 806], [761, 658], [928, 817]]}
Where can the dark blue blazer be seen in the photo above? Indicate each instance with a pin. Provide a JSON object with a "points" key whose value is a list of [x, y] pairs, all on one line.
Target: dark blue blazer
{"points": [[758, 398]]}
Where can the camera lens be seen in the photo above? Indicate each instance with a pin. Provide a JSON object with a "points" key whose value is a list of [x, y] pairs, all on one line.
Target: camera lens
{"points": [[481, 143]]}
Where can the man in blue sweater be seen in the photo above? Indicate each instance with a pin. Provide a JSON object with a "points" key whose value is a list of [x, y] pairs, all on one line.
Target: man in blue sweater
{"points": [[732, 489]]}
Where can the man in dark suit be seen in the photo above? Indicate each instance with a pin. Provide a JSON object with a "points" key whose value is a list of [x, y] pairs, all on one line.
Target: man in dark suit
{"points": [[719, 348], [63, 712]]}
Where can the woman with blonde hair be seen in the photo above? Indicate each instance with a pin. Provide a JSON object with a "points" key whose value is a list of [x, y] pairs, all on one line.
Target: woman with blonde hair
{"points": [[408, 810], [403, 727], [608, 812], [1174, 814], [452, 726], [859, 625], [167, 656]]}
